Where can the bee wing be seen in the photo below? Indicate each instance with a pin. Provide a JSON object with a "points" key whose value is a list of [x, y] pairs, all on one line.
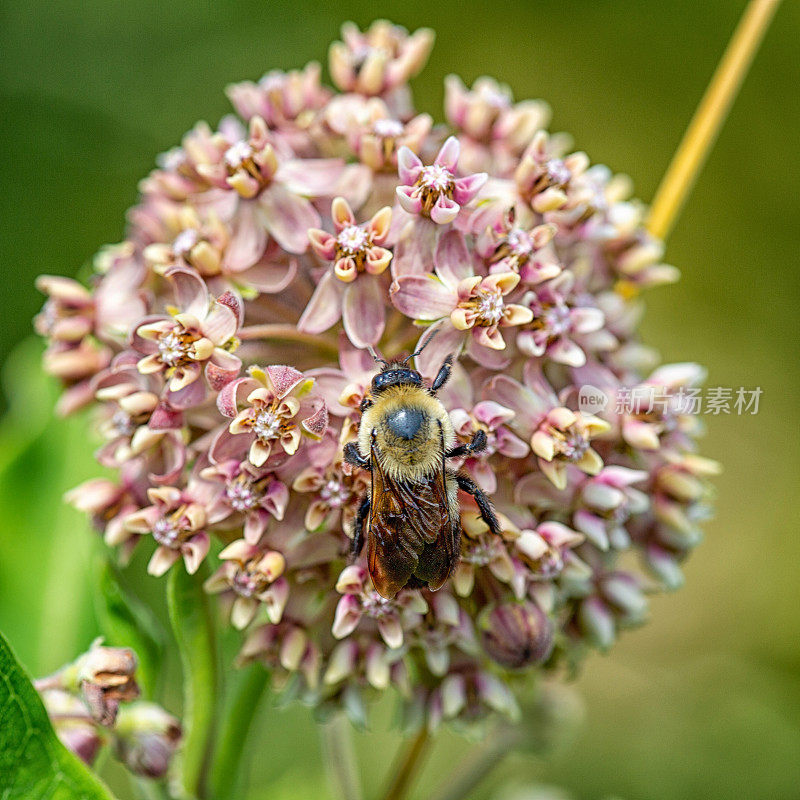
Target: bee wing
{"points": [[393, 546], [439, 557], [410, 530]]}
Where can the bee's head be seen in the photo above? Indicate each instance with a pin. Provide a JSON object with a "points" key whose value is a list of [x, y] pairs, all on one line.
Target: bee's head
{"points": [[395, 374]]}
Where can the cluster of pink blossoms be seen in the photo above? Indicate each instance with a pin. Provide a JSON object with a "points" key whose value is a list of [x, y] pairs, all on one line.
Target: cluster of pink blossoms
{"points": [[224, 347]]}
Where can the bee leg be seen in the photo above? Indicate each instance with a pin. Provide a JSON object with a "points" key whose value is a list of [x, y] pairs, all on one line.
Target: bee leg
{"points": [[365, 404], [352, 456], [358, 527], [477, 444], [466, 484], [443, 374]]}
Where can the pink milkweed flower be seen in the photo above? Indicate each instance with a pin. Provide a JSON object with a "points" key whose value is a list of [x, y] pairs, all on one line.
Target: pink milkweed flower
{"points": [[491, 418], [252, 575], [286, 101], [196, 339], [607, 501], [558, 317], [177, 523], [263, 190], [278, 412], [250, 497], [350, 291], [481, 549], [545, 180], [446, 625], [378, 60], [336, 488], [458, 301], [558, 436], [434, 191], [375, 136], [360, 600], [206, 244], [507, 247], [494, 129]]}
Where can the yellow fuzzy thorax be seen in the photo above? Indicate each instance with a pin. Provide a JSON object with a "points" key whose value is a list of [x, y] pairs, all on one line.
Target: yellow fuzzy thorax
{"points": [[406, 459]]}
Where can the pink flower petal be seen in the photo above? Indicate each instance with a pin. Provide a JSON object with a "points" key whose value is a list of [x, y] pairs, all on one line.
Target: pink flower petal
{"points": [[444, 211], [191, 292], [453, 259], [466, 189], [248, 238], [447, 341], [409, 199], [315, 177], [270, 277], [448, 154], [221, 324], [363, 311], [324, 309], [413, 253], [422, 297], [288, 217], [409, 166], [222, 369]]}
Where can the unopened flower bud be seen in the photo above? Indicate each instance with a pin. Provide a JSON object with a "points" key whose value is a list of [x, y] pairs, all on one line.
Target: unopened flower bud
{"points": [[105, 677], [517, 635], [146, 738]]}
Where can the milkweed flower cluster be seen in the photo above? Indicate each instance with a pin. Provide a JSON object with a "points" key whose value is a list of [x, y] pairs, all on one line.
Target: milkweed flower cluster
{"points": [[223, 345]]}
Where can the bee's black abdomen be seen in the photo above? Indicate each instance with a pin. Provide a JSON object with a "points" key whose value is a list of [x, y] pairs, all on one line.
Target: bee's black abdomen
{"points": [[405, 422]]}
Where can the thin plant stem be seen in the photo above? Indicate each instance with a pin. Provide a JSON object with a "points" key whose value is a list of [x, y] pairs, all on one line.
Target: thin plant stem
{"points": [[287, 333], [340, 759], [195, 634], [471, 772], [709, 117], [408, 767], [225, 774]]}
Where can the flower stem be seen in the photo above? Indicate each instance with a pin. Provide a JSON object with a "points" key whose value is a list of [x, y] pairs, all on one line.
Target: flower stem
{"points": [[287, 333], [709, 117], [225, 773], [193, 626], [476, 768], [408, 766], [340, 759]]}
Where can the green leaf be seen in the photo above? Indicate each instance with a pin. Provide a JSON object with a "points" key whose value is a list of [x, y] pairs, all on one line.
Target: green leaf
{"points": [[127, 622], [34, 765], [190, 615]]}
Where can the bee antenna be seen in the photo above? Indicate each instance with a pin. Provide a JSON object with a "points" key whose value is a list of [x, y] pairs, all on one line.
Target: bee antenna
{"points": [[421, 347], [375, 357]]}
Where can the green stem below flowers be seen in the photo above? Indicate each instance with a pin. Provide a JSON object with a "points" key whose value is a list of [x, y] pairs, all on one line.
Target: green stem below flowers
{"points": [[190, 615], [473, 770], [225, 774], [340, 759], [409, 765]]}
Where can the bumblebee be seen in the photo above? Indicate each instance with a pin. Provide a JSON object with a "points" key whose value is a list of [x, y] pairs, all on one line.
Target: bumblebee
{"points": [[411, 510]]}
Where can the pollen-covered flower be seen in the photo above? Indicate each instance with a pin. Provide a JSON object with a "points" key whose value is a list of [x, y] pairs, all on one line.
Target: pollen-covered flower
{"points": [[458, 301], [380, 59], [361, 601], [194, 341], [350, 291], [326, 233], [547, 181], [278, 413], [177, 523], [252, 575], [434, 191]]}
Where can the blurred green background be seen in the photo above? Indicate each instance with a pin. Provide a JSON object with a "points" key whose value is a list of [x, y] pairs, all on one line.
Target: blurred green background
{"points": [[702, 702]]}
